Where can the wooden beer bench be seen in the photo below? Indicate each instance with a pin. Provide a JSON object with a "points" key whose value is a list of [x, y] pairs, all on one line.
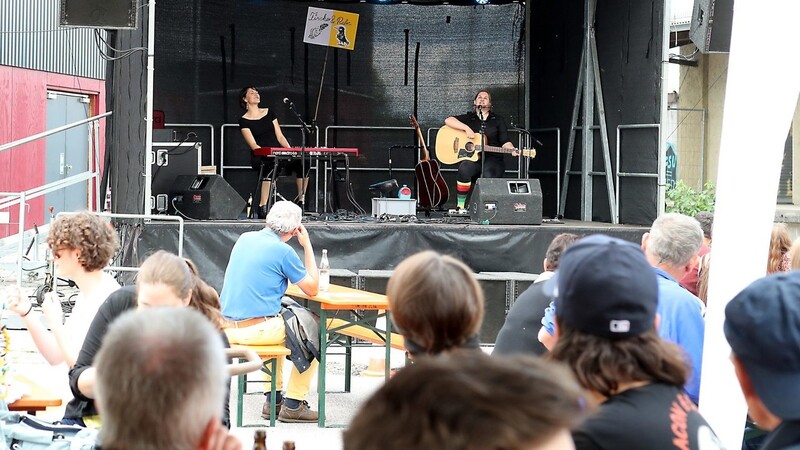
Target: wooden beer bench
{"points": [[269, 355]]}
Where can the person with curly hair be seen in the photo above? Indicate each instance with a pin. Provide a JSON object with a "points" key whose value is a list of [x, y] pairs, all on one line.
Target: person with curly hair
{"points": [[81, 245]]}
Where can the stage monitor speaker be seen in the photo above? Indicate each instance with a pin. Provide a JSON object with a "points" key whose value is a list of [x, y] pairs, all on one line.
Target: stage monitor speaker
{"points": [[503, 201], [206, 197], [711, 23], [116, 14]]}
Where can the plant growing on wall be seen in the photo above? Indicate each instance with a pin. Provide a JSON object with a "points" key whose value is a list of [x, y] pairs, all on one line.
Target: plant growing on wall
{"points": [[685, 200]]}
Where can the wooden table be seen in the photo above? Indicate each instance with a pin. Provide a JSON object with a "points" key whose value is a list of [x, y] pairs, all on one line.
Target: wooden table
{"points": [[341, 298], [38, 398]]}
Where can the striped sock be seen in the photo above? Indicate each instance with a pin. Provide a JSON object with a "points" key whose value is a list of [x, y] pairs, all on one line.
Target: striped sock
{"points": [[462, 189]]}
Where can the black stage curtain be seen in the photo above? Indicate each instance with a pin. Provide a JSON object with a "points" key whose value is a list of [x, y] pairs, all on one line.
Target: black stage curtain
{"points": [[206, 50], [629, 38]]}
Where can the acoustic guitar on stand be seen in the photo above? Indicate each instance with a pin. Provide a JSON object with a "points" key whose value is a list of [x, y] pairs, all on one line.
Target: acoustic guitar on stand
{"points": [[453, 146], [433, 190]]}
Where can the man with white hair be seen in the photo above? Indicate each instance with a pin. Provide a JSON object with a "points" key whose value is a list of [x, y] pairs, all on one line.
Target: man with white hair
{"points": [[260, 267], [162, 366], [671, 248]]}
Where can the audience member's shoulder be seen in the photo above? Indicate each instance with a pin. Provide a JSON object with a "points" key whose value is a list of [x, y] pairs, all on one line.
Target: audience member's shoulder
{"points": [[122, 298]]}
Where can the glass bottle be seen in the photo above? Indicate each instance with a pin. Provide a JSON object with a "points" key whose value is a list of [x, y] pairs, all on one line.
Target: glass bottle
{"points": [[288, 445], [324, 271], [260, 440]]}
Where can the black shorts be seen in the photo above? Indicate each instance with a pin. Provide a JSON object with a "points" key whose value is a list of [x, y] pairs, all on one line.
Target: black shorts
{"points": [[291, 166]]}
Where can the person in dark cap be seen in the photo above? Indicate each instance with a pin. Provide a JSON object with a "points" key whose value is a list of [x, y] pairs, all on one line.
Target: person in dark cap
{"points": [[606, 295], [762, 326]]}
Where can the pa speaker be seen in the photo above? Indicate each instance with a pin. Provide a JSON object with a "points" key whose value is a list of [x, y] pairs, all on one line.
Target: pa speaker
{"points": [[119, 14], [710, 29], [502, 201], [206, 197]]}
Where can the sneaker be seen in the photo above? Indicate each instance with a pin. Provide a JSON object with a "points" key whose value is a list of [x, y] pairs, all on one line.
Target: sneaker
{"points": [[265, 409], [300, 414]]}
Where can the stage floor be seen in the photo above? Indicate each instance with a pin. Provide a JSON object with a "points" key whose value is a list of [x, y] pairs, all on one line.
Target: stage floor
{"points": [[362, 243], [363, 251]]}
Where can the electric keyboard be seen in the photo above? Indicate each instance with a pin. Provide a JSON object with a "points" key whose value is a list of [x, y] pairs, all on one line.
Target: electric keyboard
{"points": [[310, 151]]}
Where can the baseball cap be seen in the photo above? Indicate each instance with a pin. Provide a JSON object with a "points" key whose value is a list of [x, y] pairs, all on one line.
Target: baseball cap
{"points": [[762, 325], [605, 287]]}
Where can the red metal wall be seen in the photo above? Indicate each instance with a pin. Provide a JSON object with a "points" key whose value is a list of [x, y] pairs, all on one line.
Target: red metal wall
{"points": [[23, 112]]}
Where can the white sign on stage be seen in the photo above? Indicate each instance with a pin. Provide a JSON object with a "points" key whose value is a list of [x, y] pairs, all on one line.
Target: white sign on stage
{"points": [[331, 28]]}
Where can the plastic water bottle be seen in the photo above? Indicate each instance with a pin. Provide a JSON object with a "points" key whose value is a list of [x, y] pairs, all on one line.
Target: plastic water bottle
{"points": [[324, 271], [404, 193]]}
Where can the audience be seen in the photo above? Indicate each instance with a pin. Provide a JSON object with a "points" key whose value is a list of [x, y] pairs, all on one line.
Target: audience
{"points": [[780, 259], [762, 326], [671, 248], [81, 245], [606, 297], [795, 252], [691, 279], [519, 332], [436, 304], [470, 401], [259, 270], [160, 381], [164, 280]]}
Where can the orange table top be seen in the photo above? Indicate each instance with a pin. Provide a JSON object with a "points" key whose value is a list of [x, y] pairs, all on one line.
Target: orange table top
{"points": [[38, 399], [341, 297]]}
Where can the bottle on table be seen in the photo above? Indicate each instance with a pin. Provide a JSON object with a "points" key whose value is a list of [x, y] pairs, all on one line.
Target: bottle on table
{"points": [[324, 271], [288, 445], [260, 440]]}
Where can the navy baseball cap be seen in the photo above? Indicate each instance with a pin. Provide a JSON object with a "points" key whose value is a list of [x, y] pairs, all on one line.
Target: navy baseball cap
{"points": [[605, 287], [762, 325]]}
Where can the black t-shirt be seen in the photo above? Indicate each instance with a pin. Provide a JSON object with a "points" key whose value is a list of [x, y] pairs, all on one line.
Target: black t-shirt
{"points": [[520, 332], [263, 129], [653, 417], [496, 130], [785, 437]]}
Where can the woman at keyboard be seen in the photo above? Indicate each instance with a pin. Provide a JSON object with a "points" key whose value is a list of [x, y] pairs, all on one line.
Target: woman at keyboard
{"points": [[260, 128]]}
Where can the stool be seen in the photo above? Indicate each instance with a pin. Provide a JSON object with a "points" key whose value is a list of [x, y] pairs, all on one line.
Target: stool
{"points": [[269, 355]]}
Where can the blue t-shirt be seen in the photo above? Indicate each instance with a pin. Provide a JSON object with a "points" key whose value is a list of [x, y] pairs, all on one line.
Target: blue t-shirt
{"points": [[682, 323], [258, 272]]}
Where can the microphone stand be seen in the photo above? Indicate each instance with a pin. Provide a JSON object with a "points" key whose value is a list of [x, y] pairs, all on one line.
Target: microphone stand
{"points": [[303, 180], [482, 133]]}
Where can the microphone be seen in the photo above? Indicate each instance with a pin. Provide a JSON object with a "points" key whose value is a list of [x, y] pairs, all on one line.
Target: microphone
{"points": [[288, 102]]}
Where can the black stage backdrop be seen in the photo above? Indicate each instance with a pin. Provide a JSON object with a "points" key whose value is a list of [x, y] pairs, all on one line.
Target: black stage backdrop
{"points": [[629, 39], [206, 50]]}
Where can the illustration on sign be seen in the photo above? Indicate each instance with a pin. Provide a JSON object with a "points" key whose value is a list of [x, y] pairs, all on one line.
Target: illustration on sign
{"points": [[671, 167], [331, 28]]}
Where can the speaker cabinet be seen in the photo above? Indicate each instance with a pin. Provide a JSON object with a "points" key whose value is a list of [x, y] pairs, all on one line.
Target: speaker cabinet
{"points": [[206, 197], [710, 29], [118, 14], [169, 160], [503, 201], [495, 306]]}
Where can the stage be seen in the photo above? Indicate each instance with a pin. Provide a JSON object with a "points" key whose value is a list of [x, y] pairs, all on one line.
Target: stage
{"points": [[368, 248]]}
